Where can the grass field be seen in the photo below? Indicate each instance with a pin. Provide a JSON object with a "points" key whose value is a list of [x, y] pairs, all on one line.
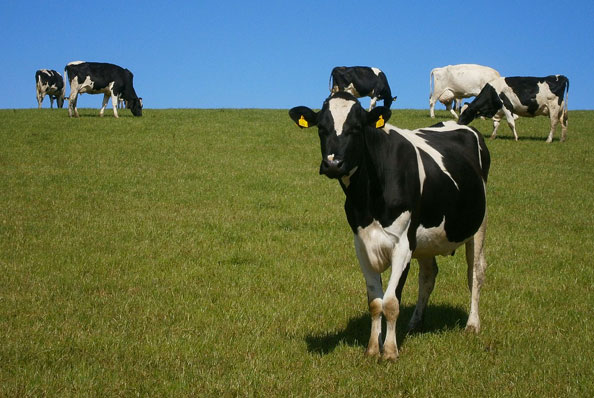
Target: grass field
{"points": [[194, 253]]}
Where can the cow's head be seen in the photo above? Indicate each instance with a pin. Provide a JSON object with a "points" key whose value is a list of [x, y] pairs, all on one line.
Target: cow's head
{"points": [[342, 123], [135, 106], [486, 104]]}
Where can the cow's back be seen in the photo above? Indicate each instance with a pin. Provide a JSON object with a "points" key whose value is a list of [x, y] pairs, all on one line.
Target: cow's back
{"points": [[456, 165], [467, 79]]}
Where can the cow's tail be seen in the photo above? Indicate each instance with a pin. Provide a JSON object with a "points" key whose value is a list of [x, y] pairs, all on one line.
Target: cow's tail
{"points": [[431, 83], [565, 100], [64, 77]]}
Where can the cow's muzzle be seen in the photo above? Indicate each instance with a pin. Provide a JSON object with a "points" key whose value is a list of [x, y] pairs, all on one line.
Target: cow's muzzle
{"points": [[332, 168]]}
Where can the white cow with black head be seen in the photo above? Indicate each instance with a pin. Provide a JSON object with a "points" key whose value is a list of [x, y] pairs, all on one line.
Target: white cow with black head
{"points": [[452, 83]]}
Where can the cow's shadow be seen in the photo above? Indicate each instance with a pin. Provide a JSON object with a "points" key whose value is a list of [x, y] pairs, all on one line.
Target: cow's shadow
{"points": [[356, 333], [520, 138]]}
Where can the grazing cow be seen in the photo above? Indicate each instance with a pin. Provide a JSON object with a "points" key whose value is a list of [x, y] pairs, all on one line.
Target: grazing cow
{"points": [[409, 194], [102, 78], [522, 96], [49, 82], [362, 81], [454, 82]]}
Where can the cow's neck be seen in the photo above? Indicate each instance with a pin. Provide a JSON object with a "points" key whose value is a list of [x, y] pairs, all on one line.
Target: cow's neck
{"points": [[364, 196]]}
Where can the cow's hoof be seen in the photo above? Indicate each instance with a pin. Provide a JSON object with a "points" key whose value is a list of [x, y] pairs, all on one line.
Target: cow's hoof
{"points": [[474, 329], [372, 352], [390, 356], [415, 329]]}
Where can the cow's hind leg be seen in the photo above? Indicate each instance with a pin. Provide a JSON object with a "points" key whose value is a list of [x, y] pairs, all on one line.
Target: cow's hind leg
{"points": [[104, 104], [72, 100], [554, 122], [475, 258], [563, 120], [432, 101], [427, 273]]}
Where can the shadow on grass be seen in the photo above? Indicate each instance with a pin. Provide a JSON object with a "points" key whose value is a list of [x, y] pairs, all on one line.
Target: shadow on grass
{"points": [[520, 138], [437, 318]]}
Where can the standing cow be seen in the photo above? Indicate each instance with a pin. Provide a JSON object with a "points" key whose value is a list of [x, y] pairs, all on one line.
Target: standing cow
{"points": [[454, 82], [409, 194], [102, 78], [49, 82], [362, 81], [522, 96]]}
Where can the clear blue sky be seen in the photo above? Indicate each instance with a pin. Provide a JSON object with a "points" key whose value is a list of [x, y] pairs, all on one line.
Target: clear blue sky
{"points": [[277, 54]]}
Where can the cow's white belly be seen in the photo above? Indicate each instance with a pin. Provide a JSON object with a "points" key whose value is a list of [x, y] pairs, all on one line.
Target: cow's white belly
{"points": [[88, 87]]}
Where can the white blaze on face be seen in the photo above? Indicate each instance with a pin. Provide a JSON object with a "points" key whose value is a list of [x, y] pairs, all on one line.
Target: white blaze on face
{"points": [[339, 109]]}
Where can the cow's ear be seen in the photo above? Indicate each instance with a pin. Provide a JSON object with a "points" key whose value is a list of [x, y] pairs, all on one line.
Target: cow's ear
{"points": [[303, 116], [378, 117]]}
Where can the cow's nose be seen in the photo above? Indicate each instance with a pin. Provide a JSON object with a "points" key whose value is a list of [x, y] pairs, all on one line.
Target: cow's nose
{"points": [[331, 167]]}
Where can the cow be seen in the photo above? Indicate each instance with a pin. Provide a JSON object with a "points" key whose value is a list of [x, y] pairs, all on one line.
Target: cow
{"points": [[409, 194], [522, 96], [102, 78], [362, 81], [49, 82], [454, 82]]}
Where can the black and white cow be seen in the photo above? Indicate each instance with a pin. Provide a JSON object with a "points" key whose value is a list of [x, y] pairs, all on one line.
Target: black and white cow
{"points": [[409, 194], [522, 96], [362, 81], [102, 78], [49, 82]]}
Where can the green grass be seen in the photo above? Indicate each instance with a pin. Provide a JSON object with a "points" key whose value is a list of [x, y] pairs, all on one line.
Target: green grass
{"points": [[199, 253]]}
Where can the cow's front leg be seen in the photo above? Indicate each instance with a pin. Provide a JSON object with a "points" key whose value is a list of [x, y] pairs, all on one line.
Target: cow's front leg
{"points": [[373, 281], [72, 100], [427, 273], [496, 122], [372, 103], [475, 258], [391, 305], [114, 103], [509, 117]]}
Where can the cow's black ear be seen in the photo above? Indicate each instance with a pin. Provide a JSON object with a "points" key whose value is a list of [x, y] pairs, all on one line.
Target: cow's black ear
{"points": [[303, 116], [378, 117]]}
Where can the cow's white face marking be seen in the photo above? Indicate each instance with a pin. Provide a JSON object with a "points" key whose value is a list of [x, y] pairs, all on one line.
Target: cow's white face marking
{"points": [[339, 109]]}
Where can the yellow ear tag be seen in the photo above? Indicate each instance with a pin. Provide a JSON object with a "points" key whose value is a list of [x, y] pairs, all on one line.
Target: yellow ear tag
{"points": [[380, 122], [302, 122]]}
